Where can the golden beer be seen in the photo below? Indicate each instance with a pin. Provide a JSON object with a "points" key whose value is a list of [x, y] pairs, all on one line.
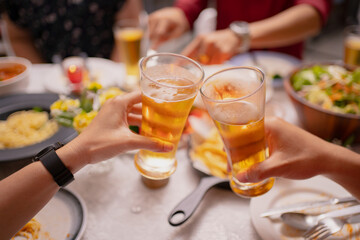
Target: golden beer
{"points": [[245, 146], [164, 116], [352, 50], [235, 100], [129, 42]]}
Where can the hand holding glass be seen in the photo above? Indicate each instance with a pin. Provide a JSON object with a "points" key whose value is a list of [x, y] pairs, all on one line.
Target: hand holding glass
{"points": [[235, 99], [169, 85]]}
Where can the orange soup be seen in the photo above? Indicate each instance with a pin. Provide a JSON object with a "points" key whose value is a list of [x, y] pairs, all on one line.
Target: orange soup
{"points": [[9, 70]]}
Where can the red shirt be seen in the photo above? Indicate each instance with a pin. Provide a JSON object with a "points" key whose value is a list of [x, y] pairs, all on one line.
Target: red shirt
{"points": [[251, 11]]}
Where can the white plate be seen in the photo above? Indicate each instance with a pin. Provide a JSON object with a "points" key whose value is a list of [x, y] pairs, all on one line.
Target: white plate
{"points": [[271, 63], [106, 72], [63, 218], [287, 192]]}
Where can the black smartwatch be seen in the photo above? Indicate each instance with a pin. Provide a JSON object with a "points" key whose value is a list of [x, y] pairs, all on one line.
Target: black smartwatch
{"points": [[54, 165]]}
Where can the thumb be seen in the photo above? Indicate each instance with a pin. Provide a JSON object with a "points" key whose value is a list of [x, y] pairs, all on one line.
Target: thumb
{"points": [[256, 173], [152, 144]]}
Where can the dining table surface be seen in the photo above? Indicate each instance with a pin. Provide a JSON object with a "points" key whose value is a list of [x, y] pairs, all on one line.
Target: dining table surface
{"points": [[120, 206]]}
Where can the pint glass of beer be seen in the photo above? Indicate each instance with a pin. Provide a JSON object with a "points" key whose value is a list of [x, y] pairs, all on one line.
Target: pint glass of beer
{"points": [[169, 84], [352, 45], [235, 99], [128, 38]]}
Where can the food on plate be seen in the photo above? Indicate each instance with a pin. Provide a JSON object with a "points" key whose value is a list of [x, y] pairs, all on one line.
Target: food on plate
{"points": [[332, 87], [207, 148], [211, 153], [30, 231], [78, 113], [25, 128], [10, 70]]}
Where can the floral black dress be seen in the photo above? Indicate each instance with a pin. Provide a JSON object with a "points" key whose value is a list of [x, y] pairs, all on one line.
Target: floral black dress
{"points": [[67, 27]]}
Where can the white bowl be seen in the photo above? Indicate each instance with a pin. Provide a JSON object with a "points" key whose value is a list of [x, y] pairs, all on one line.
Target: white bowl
{"points": [[19, 82]]}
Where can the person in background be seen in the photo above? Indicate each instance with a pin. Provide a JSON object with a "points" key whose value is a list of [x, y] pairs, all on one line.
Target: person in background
{"points": [[27, 191], [39, 30], [278, 25], [297, 154]]}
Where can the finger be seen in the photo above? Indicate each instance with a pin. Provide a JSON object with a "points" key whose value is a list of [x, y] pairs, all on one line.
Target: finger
{"points": [[132, 98], [152, 26], [161, 33], [152, 144], [191, 50], [259, 172], [136, 109], [134, 120]]}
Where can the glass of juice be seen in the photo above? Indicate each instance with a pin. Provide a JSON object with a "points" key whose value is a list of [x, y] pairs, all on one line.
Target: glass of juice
{"points": [[352, 45], [235, 100], [169, 84], [129, 34]]}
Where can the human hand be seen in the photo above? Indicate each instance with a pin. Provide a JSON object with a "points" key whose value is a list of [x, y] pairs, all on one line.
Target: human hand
{"points": [[214, 48], [165, 24], [294, 154], [109, 135]]}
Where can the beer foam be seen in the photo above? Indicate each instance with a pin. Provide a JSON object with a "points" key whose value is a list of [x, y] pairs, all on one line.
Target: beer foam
{"points": [[231, 87], [161, 93], [239, 113], [353, 42]]}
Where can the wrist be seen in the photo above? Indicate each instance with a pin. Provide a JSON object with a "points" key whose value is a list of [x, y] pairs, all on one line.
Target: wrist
{"points": [[242, 32], [74, 155]]}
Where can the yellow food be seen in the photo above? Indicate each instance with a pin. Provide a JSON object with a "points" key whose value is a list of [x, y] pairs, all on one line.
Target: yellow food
{"points": [[30, 231], [25, 128], [211, 153], [83, 120]]}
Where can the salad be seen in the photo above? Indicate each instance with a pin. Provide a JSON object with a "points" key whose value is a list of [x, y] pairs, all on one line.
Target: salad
{"points": [[330, 86]]}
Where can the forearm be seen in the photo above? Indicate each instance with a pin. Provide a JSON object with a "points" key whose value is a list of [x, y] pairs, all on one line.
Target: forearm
{"points": [[27, 191], [288, 27], [343, 167], [23, 194]]}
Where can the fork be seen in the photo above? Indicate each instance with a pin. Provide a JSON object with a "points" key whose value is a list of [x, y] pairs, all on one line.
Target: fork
{"points": [[324, 229]]}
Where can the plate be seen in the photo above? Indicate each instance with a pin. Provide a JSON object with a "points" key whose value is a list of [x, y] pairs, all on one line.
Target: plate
{"points": [[272, 63], [63, 217], [287, 192], [18, 102], [104, 71]]}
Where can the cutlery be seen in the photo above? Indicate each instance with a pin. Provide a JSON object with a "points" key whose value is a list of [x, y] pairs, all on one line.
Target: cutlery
{"points": [[307, 205], [305, 221], [324, 229]]}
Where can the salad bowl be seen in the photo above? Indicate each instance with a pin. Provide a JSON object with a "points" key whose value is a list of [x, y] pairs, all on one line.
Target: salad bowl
{"points": [[326, 106]]}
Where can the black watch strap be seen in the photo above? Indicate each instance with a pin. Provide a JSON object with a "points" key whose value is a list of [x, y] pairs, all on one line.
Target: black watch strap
{"points": [[54, 165]]}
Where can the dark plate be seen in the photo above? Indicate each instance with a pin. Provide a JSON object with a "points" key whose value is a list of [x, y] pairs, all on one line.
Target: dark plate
{"points": [[18, 102]]}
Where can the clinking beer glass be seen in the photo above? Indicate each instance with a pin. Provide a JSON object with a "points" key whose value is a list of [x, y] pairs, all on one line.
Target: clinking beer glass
{"points": [[169, 84], [235, 99]]}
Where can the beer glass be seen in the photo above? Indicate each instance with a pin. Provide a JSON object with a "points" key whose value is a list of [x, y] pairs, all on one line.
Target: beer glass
{"points": [[128, 38], [235, 100], [352, 45], [169, 84]]}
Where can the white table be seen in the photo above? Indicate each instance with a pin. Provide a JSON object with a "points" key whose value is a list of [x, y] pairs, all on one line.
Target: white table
{"points": [[120, 206]]}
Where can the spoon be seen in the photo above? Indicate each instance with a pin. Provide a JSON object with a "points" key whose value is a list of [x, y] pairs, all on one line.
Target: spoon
{"points": [[304, 221]]}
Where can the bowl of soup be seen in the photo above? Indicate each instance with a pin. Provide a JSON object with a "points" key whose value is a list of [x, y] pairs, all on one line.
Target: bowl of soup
{"points": [[14, 74]]}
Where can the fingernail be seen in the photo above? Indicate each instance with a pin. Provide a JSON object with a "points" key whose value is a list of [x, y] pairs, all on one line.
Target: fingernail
{"points": [[243, 177]]}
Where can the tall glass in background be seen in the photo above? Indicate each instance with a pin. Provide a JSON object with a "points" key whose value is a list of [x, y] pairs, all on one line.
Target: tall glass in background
{"points": [[352, 45], [129, 37], [235, 99], [169, 85]]}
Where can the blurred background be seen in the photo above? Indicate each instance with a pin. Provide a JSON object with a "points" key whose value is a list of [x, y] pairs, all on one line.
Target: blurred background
{"points": [[328, 45]]}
